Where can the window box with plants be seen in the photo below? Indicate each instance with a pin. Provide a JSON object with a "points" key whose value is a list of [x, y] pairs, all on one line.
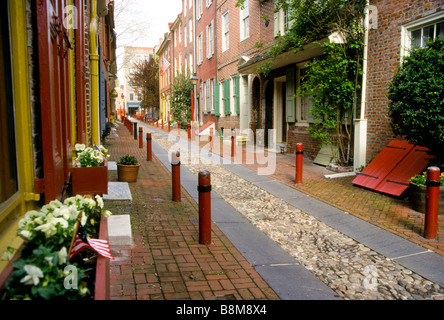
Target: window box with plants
{"points": [[418, 193], [128, 168], [90, 173], [44, 268]]}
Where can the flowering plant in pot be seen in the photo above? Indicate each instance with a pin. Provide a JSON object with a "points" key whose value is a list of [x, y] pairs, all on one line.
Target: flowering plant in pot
{"points": [[91, 157], [128, 168], [43, 270], [90, 174], [418, 192]]}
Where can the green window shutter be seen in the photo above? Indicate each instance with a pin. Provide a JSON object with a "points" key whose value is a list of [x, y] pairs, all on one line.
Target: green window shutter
{"points": [[290, 91], [216, 100], [227, 107], [237, 95]]}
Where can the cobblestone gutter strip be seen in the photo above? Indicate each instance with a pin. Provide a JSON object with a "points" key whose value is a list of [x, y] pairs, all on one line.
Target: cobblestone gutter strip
{"points": [[351, 269]]}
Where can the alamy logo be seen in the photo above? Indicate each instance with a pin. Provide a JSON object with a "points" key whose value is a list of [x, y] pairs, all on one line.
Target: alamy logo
{"points": [[372, 13], [71, 277], [70, 17]]}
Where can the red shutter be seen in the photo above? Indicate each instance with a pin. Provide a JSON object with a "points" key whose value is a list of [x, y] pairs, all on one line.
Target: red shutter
{"points": [[53, 98], [391, 170]]}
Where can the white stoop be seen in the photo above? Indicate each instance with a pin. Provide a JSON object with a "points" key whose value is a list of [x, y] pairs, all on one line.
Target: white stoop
{"points": [[119, 230]]}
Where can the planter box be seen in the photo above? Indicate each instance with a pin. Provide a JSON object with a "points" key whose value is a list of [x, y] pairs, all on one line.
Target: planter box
{"points": [[89, 180], [418, 199], [102, 283], [102, 277]]}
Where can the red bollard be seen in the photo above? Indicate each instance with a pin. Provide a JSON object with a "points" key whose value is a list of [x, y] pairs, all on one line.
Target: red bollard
{"points": [[189, 131], [299, 162], [432, 203], [162, 123], [157, 123], [175, 170], [178, 128], [204, 189], [140, 138], [211, 139], [149, 152], [233, 143], [169, 125]]}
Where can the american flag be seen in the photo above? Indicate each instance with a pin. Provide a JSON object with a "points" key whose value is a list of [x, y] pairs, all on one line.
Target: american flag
{"points": [[81, 242], [165, 65]]}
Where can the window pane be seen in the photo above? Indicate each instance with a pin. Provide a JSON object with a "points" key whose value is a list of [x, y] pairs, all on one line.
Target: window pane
{"points": [[440, 29], [428, 34], [8, 160], [416, 38]]}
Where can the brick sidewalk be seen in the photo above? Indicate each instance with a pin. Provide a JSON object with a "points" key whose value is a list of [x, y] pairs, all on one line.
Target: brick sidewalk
{"points": [[166, 261], [390, 213]]}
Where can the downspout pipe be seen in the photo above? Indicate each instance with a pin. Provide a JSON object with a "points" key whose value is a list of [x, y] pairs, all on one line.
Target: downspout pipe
{"points": [[94, 61], [360, 137]]}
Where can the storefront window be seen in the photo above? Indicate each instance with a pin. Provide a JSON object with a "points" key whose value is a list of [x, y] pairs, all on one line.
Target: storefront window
{"points": [[8, 160]]}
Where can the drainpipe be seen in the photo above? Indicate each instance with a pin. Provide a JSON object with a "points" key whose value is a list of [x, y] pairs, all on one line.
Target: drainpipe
{"points": [[94, 59], [360, 138]]}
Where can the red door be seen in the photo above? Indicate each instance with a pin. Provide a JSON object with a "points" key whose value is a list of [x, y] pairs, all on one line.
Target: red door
{"points": [[49, 27]]}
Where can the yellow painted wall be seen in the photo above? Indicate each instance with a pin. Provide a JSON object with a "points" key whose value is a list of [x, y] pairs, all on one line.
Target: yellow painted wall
{"points": [[13, 209]]}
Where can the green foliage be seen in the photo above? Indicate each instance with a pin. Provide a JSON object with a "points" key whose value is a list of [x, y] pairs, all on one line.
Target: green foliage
{"points": [[180, 98], [417, 99], [128, 160], [333, 81], [420, 180]]}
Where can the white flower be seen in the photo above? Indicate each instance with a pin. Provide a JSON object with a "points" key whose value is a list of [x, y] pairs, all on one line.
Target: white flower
{"points": [[56, 203], [107, 213], [69, 201], [99, 201], [25, 234], [63, 255], [8, 254], [49, 259], [80, 147], [49, 228], [84, 219], [33, 275]]}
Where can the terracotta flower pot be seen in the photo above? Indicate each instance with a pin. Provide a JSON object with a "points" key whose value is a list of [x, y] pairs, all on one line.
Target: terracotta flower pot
{"points": [[127, 173], [418, 197]]}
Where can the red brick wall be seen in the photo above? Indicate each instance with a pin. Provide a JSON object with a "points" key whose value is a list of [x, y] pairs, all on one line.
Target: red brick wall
{"points": [[206, 70], [383, 58]]}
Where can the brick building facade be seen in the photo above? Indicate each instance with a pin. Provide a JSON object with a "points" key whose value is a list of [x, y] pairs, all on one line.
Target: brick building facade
{"points": [[244, 99], [388, 40]]}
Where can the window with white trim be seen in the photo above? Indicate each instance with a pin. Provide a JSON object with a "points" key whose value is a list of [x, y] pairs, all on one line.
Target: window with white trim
{"points": [[225, 31], [245, 21], [191, 63], [210, 40], [199, 49], [185, 36], [282, 22], [191, 30], [199, 9], [417, 33], [208, 3]]}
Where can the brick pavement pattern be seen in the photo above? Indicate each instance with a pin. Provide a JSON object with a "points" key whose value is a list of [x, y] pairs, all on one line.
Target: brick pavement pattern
{"points": [[166, 261], [390, 213]]}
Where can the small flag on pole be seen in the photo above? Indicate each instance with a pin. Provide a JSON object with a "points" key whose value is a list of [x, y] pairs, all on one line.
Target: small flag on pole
{"points": [[165, 65], [81, 242]]}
